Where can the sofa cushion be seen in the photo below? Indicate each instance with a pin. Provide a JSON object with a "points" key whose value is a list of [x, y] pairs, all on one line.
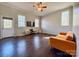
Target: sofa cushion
{"points": [[69, 38], [62, 33], [63, 37], [69, 34]]}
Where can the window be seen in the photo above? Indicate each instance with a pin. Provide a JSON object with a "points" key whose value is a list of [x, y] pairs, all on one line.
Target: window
{"points": [[21, 21], [65, 18], [7, 23], [36, 22]]}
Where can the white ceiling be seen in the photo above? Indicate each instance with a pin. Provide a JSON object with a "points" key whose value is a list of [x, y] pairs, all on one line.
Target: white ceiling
{"points": [[28, 6]]}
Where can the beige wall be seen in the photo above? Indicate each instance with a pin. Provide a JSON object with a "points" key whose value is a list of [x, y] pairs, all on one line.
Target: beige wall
{"points": [[52, 23], [11, 12]]}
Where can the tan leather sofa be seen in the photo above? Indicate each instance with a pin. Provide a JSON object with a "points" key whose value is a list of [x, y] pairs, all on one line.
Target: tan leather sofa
{"points": [[64, 42]]}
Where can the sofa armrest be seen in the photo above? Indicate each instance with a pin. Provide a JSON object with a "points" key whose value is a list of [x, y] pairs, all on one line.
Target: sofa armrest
{"points": [[63, 45]]}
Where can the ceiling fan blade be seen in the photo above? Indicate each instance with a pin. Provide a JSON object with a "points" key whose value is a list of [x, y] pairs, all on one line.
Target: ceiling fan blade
{"points": [[40, 3], [44, 6]]}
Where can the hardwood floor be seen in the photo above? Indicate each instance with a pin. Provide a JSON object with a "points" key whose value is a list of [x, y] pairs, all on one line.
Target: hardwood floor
{"points": [[28, 46], [33, 45]]}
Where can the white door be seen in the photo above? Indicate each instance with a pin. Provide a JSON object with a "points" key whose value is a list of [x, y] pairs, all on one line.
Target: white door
{"points": [[7, 27]]}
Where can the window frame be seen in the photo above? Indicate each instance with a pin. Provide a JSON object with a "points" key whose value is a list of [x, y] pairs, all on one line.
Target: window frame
{"points": [[7, 18], [36, 23], [67, 23], [21, 26]]}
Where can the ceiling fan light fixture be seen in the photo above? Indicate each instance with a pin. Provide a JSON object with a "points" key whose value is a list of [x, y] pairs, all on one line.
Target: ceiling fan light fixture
{"points": [[39, 6]]}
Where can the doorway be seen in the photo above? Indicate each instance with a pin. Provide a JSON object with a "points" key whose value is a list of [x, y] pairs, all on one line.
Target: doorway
{"points": [[7, 27]]}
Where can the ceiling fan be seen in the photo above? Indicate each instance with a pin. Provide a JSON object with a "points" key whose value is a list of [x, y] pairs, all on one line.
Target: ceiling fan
{"points": [[40, 6]]}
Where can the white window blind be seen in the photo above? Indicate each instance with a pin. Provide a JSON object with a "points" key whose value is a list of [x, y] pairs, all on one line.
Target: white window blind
{"points": [[21, 21], [65, 18], [7, 23], [36, 22]]}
